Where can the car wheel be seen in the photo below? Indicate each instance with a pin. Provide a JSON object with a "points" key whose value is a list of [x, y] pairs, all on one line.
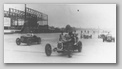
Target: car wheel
{"points": [[69, 50], [103, 40], [113, 40], [48, 49], [79, 46], [18, 41]]}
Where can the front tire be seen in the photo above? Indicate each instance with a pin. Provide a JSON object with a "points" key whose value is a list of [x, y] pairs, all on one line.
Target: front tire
{"points": [[48, 49], [103, 40], [79, 46], [69, 50], [18, 41]]}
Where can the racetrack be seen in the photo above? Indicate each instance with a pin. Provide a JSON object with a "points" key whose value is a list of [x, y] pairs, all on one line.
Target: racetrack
{"points": [[94, 51]]}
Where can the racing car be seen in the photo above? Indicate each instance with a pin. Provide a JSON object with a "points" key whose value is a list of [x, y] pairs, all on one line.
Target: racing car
{"points": [[28, 39], [86, 36], [101, 36], [62, 47], [109, 38]]}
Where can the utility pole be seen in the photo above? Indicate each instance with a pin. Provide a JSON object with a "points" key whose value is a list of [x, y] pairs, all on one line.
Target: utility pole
{"points": [[26, 24], [25, 13], [47, 23]]}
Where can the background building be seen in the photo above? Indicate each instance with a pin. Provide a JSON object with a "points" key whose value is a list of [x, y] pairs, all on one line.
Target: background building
{"points": [[25, 21]]}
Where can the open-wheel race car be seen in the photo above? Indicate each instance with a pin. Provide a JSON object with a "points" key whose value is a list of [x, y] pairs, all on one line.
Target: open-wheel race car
{"points": [[64, 47], [109, 38], [101, 36], [86, 36], [28, 39]]}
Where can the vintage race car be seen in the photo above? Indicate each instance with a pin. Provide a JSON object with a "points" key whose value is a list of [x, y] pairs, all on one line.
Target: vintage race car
{"points": [[67, 47], [86, 36], [28, 39], [108, 38], [101, 36]]}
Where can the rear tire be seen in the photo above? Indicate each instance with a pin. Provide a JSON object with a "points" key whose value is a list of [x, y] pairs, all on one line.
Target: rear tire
{"points": [[48, 49]]}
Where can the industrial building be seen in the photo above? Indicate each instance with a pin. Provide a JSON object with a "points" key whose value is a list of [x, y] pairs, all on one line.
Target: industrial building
{"points": [[26, 21]]}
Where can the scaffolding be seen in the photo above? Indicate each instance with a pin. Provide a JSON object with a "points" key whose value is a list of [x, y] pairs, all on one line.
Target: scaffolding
{"points": [[28, 20]]}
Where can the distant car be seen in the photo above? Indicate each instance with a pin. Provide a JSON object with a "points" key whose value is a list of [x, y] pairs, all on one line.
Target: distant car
{"points": [[109, 38], [28, 39], [101, 36], [86, 36]]}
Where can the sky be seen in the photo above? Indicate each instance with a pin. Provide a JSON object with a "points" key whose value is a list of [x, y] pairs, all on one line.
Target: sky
{"points": [[101, 16]]}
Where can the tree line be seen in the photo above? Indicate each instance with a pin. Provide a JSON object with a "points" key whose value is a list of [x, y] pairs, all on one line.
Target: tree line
{"points": [[64, 29]]}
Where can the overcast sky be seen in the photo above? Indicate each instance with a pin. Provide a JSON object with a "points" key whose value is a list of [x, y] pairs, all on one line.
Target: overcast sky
{"points": [[77, 15]]}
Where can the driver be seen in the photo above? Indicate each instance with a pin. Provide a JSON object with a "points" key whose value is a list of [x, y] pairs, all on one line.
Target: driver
{"points": [[69, 38], [30, 34]]}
